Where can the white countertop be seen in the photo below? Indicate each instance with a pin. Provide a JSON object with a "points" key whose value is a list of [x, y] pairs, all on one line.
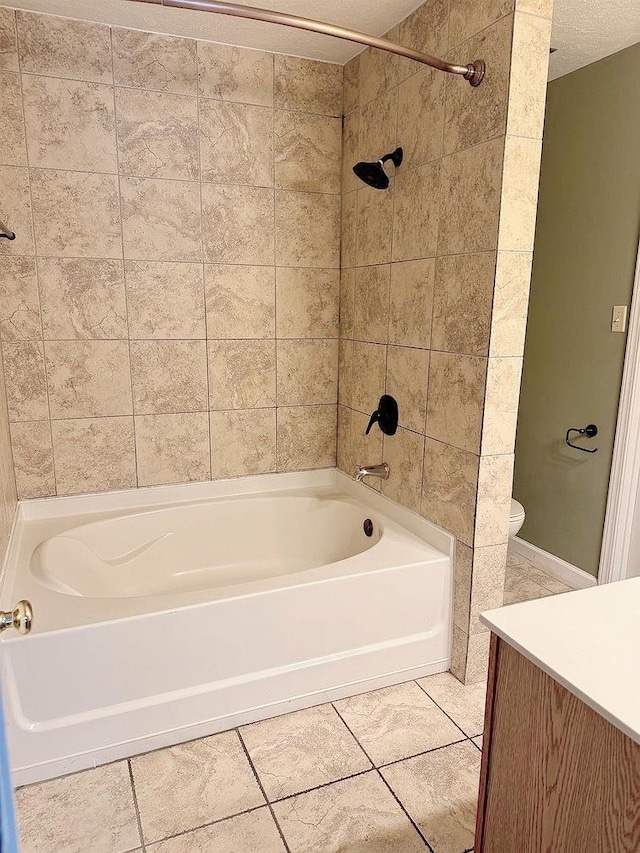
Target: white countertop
{"points": [[588, 641]]}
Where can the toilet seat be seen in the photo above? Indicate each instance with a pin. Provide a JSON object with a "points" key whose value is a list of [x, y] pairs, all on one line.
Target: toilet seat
{"points": [[517, 511]]}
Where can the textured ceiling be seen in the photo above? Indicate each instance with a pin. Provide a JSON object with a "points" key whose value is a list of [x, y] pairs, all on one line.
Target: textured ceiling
{"points": [[587, 30], [583, 30]]}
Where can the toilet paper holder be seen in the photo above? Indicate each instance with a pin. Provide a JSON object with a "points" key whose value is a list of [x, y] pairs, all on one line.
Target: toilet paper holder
{"points": [[591, 430]]}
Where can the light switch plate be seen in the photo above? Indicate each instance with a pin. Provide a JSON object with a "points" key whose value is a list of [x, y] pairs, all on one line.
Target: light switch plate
{"points": [[619, 318]]}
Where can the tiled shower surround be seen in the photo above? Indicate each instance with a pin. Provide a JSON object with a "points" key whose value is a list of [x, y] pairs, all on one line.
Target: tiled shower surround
{"points": [[197, 269]]}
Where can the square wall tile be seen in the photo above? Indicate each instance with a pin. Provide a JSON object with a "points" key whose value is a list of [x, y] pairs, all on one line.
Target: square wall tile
{"points": [[169, 376], [255, 830], [463, 703], [510, 304], [302, 750], [495, 481], [298, 245], [350, 83], [33, 459], [235, 74], [462, 305], [307, 152], [378, 125], [411, 303], [404, 453], [242, 374], [8, 41], [76, 214], [487, 584], [243, 442], [165, 300], [520, 194], [350, 150], [88, 379], [469, 17], [307, 372], [161, 219], [426, 29], [415, 220], [478, 658], [19, 299], [241, 301], [82, 298], [358, 814], [501, 405], [157, 134], [152, 61], [456, 399], [483, 115], [172, 448], [26, 385], [397, 722], [439, 790], [236, 143], [78, 443], [367, 375], [82, 137], [92, 810], [307, 303], [529, 73], [407, 380], [238, 224], [61, 47], [15, 209], [194, 783], [371, 304], [306, 437], [449, 489], [305, 85], [347, 303], [374, 225], [470, 209], [379, 72], [421, 117], [14, 146]]}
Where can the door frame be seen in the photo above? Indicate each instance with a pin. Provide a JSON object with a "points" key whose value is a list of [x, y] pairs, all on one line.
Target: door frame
{"points": [[622, 503]]}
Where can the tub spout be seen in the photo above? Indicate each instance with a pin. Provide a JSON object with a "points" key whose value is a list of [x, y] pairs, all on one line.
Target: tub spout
{"points": [[381, 471]]}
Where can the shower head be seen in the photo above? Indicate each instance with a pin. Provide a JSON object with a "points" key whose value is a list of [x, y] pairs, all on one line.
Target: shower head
{"points": [[373, 174]]}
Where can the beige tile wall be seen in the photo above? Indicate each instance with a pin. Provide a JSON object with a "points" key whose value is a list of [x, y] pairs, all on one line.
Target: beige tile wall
{"points": [[436, 273], [169, 309]]}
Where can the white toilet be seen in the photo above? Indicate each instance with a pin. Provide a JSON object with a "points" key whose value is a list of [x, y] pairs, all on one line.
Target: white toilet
{"points": [[516, 519]]}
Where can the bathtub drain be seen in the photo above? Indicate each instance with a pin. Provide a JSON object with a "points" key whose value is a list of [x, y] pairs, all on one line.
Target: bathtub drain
{"points": [[368, 527]]}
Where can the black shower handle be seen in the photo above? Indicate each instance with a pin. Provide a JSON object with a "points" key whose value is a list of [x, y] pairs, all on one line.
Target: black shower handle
{"points": [[591, 430]]}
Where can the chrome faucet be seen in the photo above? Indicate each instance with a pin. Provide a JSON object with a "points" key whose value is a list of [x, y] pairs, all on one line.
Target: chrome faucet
{"points": [[381, 471]]}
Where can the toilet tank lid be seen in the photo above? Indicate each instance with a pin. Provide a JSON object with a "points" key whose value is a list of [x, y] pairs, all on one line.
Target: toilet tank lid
{"points": [[517, 509]]}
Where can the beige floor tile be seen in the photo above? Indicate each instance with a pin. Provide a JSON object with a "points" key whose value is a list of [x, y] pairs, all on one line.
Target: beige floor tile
{"points": [[302, 750], [520, 565], [397, 722], [477, 741], [518, 587], [439, 790], [245, 833], [194, 783], [353, 816], [464, 703], [74, 814]]}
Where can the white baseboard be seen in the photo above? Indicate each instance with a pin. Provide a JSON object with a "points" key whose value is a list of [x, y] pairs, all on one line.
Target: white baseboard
{"points": [[552, 565]]}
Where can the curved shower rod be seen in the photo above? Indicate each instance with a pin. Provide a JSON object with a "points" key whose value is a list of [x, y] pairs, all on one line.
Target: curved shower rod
{"points": [[473, 72]]}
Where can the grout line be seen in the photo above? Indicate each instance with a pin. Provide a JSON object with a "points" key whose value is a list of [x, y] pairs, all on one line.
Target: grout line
{"points": [[264, 793], [200, 826], [135, 805], [445, 713]]}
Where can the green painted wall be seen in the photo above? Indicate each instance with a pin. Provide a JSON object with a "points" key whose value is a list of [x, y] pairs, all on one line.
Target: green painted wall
{"points": [[584, 261]]}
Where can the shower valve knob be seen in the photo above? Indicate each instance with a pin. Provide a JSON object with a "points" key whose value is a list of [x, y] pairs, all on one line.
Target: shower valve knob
{"points": [[386, 416]]}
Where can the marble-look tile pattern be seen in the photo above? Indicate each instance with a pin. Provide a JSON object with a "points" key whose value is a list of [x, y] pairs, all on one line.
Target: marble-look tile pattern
{"points": [[357, 814], [194, 783], [157, 134], [407, 381], [307, 372], [421, 117], [495, 477], [241, 301], [307, 303], [404, 453], [510, 303], [449, 489], [236, 143], [519, 204], [165, 300], [487, 583], [82, 136], [462, 305], [25, 380], [370, 304], [14, 151], [8, 496], [82, 298], [501, 405], [411, 303], [297, 245], [529, 71], [456, 396], [374, 225], [305, 85], [61, 47], [19, 302], [153, 61], [232, 74], [303, 750], [463, 703], [8, 41], [169, 376], [243, 442], [469, 17], [397, 722], [78, 443], [377, 127], [93, 810], [306, 437], [439, 791], [307, 152], [350, 84], [238, 224], [242, 374], [415, 218], [15, 207], [88, 379], [33, 459], [172, 448], [255, 830]]}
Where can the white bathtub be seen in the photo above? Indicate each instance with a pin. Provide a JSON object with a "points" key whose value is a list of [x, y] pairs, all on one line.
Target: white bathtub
{"points": [[171, 613]]}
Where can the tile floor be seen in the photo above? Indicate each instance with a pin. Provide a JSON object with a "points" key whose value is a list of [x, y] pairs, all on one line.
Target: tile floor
{"points": [[391, 771]]}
